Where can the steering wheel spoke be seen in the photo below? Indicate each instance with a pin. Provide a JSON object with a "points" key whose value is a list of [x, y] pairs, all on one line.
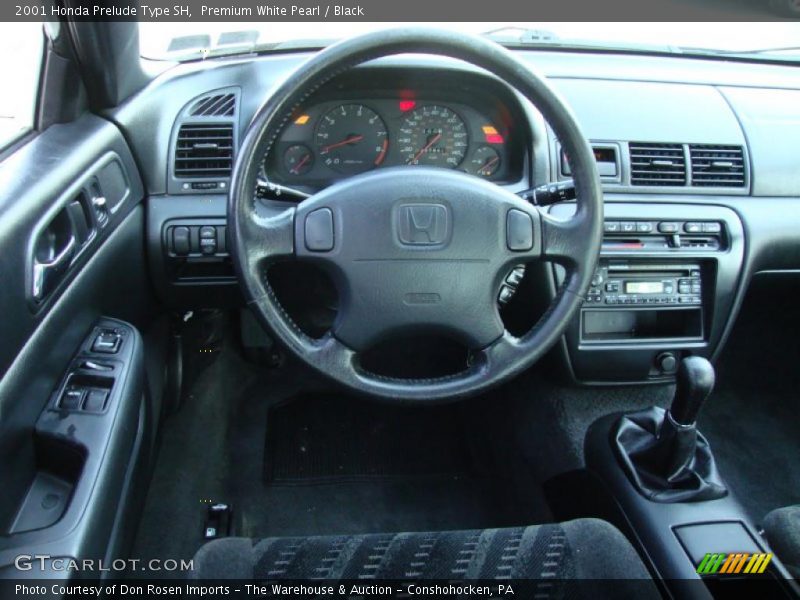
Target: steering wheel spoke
{"points": [[564, 240], [268, 235]]}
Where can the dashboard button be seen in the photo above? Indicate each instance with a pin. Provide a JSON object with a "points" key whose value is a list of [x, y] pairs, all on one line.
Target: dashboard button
{"points": [[628, 226], [611, 226], [693, 227], [712, 227], [180, 240], [644, 227], [668, 227], [319, 230]]}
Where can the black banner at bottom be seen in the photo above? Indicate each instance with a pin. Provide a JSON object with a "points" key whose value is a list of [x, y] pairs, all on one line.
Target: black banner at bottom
{"points": [[78, 589]]}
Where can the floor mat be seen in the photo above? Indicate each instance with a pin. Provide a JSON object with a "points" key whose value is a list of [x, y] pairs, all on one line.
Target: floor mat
{"points": [[324, 438], [430, 469]]}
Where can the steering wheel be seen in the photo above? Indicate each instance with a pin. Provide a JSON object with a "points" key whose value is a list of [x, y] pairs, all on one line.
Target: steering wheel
{"points": [[414, 248]]}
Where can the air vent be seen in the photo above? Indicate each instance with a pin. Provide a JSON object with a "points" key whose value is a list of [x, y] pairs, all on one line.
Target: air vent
{"points": [[657, 164], [204, 150], [221, 105], [717, 166]]}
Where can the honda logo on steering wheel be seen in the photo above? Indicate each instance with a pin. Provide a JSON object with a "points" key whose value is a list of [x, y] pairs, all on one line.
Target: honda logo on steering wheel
{"points": [[423, 224]]}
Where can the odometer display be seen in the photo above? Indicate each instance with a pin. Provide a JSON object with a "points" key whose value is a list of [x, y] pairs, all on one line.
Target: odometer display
{"points": [[351, 138], [434, 136]]}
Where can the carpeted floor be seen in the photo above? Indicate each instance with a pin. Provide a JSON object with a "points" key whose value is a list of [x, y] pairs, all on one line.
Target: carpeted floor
{"points": [[337, 464]]}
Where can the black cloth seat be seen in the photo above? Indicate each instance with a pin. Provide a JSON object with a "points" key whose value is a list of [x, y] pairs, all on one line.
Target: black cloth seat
{"points": [[580, 549], [782, 528]]}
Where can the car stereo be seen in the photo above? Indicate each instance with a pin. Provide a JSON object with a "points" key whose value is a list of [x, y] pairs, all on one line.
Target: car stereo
{"points": [[646, 283]]}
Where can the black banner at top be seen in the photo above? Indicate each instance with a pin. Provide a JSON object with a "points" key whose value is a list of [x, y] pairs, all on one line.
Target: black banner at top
{"points": [[391, 10]]}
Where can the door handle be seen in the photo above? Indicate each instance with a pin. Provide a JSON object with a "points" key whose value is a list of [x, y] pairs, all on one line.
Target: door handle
{"points": [[44, 273]]}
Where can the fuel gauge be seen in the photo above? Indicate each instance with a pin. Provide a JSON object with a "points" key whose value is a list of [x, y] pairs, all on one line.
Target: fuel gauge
{"points": [[484, 162], [298, 159]]}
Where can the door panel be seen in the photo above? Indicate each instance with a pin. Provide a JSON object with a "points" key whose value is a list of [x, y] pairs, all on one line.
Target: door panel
{"points": [[71, 208]]}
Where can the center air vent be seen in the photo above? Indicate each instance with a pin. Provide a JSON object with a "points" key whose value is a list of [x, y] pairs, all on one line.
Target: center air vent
{"points": [[204, 150], [717, 166], [221, 105], [657, 164]]}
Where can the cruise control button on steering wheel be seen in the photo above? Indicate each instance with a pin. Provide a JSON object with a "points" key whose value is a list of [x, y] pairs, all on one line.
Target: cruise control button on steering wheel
{"points": [[319, 230]]}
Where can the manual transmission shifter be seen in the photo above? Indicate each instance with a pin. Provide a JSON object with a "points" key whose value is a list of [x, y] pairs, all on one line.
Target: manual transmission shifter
{"points": [[695, 381], [667, 459]]}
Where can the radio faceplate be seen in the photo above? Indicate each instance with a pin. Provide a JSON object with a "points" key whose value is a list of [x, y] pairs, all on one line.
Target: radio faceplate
{"points": [[645, 283]]}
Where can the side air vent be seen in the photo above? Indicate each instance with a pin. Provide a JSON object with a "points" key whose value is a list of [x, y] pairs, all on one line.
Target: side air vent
{"points": [[204, 150], [717, 166], [221, 105], [657, 164]]}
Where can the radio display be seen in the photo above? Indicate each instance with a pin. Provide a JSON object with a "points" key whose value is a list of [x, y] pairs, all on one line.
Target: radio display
{"points": [[644, 287]]}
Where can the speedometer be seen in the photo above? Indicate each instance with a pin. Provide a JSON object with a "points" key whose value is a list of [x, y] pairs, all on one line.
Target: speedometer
{"points": [[351, 138], [433, 135]]}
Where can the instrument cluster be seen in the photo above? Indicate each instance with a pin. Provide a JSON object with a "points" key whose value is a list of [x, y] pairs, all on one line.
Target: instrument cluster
{"points": [[344, 136]]}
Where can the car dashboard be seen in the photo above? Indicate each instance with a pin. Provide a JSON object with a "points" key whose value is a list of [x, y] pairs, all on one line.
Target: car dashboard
{"points": [[697, 160]]}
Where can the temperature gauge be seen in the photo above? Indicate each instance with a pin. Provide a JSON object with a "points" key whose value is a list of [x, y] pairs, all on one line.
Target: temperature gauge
{"points": [[298, 159], [484, 162]]}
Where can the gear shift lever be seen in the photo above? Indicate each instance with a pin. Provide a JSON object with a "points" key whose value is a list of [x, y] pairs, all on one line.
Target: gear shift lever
{"points": [[695, 380], [667, 459]]}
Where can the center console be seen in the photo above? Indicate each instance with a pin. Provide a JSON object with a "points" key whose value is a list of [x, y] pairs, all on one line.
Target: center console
{"points": [[661, 473], [664, 288]]}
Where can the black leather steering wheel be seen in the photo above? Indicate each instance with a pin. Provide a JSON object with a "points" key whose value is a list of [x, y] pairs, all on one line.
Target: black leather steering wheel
{"points": [[414, 248]]}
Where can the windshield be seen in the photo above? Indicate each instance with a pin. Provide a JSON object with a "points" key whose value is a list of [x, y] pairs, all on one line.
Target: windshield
{"points": [[190, 41]]}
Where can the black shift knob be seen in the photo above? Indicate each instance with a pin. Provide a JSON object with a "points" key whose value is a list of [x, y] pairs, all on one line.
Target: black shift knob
{"points": [[695, 382]]}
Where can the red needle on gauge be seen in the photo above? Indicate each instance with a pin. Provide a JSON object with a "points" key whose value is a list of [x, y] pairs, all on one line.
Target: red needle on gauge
{"points": [[351, 140], [296, 169], [488, 165], [430, 143]]}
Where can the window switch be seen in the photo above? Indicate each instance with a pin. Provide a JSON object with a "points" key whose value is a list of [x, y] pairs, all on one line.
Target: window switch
{"points": [[95, 400], [107, 342], [71, 398]]}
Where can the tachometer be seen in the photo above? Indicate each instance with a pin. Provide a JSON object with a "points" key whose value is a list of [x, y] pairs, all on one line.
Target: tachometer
{"points": [[435, 136], [351, 138]]}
